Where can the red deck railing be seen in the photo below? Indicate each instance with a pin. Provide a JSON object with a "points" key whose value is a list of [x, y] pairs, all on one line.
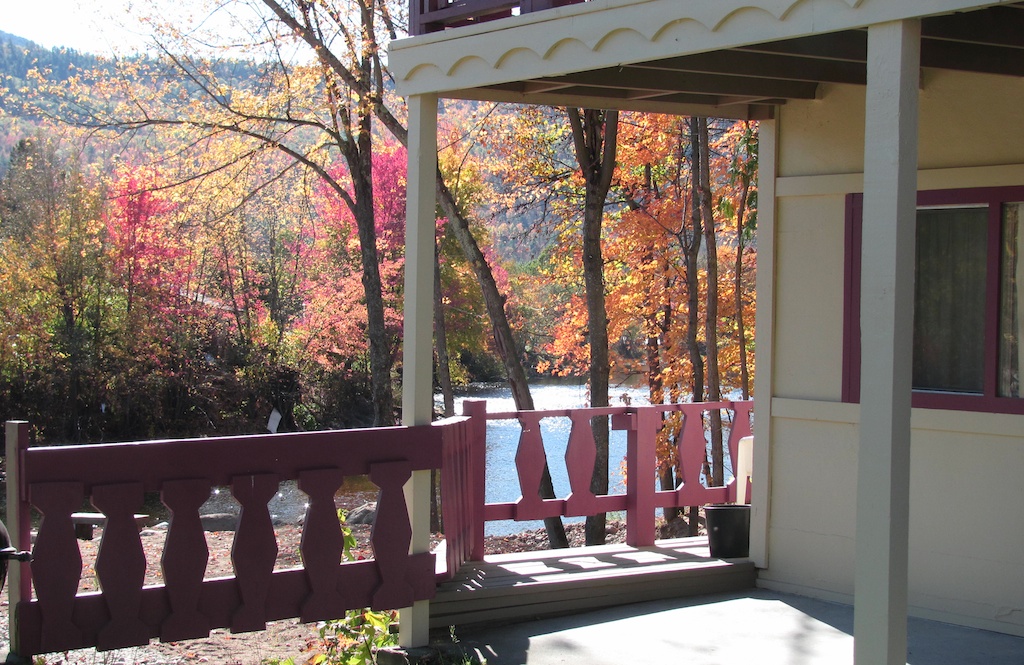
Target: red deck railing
{"points": [[435, 15], [465, 476], [56, 481], [114, 478]]}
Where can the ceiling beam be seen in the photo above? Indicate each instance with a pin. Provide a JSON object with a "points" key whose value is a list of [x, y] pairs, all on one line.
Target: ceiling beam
{"points": [[1001, 26], [635, 78], [850, 45], [765, 65], [673, 104], [963, 56], [746, 101], [543, 86]]}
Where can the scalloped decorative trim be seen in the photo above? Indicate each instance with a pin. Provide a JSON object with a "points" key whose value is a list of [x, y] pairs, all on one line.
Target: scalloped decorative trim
{"points": [[648, 26]]}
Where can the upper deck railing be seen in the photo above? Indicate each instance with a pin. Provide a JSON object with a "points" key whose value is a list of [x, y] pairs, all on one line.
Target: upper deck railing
{"points": [[436, 15]]}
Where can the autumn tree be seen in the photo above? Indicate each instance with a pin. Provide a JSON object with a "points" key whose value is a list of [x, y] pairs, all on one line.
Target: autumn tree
{"points": [[368, 83], [743, 207], [594, 135], [201, 104], [347, 80], [51, 230], [505, 342], [657, 265]]}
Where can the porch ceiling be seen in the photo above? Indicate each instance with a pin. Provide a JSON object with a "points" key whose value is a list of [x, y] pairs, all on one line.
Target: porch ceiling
{"points": [[753, 79], [748, 81]]}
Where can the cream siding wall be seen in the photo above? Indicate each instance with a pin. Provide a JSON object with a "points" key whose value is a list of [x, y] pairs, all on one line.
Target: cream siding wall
{"points": [[809, 318], [967, 492], [814, 510]]}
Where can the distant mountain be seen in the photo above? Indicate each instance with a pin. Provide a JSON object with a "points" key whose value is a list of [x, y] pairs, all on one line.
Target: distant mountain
{"points": [[16, 40], [18, 55]]}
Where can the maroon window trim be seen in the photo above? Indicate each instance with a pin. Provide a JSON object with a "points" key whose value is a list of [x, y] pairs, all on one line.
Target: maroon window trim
{"points": [[993, 197]]}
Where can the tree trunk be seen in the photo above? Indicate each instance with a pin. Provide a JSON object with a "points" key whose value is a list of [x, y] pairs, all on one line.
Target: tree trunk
{"points": [[495, 304], [503, 339], [658, 330], [746, 174], [444, 374], [362, 77], [711, 312], [691, 240], [444, 379], [595, 135], [358, 154], [741, 329]]}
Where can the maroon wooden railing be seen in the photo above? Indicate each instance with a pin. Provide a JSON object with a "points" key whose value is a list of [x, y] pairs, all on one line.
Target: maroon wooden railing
{"points": [[465, 475], [435, 15], [114, 478]]}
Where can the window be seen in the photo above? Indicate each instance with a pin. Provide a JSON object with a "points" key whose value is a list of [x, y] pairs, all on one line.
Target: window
{"points": [[969, 283]]}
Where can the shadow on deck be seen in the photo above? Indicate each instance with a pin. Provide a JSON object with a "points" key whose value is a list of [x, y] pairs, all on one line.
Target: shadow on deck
{"points": [[522, 586]]}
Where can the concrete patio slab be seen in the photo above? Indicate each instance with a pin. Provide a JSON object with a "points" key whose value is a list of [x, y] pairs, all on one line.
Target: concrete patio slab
{"points": [[758, 626]]}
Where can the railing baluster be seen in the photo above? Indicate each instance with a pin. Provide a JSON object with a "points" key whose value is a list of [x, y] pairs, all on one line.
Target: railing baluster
{"points": [[475, 447], [692, 451], [322, 544], [580, 456], [184, 559], [642, 497], [530, 460], [391, 535], [121, 566], [254, 549], [57, 567], [740, 428]]}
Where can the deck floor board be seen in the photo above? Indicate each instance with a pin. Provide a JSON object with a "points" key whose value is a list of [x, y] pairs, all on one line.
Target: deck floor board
{"points": [[528, 585]]}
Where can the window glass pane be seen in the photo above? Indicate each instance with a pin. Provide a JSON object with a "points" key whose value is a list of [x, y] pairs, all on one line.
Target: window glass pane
{"points": [[949, 300], [1010, 311]]}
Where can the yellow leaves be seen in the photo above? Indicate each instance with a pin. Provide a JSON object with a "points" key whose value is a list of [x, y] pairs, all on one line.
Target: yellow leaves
{"points": [[647, 297]]}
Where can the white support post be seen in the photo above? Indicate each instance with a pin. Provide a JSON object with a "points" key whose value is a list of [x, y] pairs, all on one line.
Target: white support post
{"points": [[418, 339], [18, 588], [887, 310], [764, 333]]}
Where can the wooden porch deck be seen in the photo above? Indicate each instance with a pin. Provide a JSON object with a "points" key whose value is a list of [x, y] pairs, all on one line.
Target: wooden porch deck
{"points": [[528, 585]]}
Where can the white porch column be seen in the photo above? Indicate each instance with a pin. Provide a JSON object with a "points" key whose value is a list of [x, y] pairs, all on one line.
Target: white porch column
{"points": [[887, 310], [764, 333], [418, 336]]}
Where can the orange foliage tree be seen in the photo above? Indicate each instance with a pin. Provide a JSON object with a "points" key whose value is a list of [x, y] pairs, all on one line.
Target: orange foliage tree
{"points": [[657, 301]]}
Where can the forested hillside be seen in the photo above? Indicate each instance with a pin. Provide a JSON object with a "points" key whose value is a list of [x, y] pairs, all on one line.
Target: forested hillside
{"points": [[19, 55], [26, 68]]}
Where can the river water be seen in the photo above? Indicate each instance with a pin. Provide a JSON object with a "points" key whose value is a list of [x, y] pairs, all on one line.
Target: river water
{"points": [[503, 440]]}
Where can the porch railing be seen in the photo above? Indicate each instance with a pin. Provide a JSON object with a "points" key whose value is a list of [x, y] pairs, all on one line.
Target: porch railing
{"points": [[115, 477], [56, 481], [465, 472], [435, 15]]}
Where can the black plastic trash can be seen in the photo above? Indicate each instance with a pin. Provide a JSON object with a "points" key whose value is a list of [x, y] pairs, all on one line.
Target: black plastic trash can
{"points": [[728, 530]]}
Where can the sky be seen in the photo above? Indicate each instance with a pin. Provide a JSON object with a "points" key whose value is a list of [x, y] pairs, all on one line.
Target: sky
{"points": [[77, 24], [105, 27]]}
